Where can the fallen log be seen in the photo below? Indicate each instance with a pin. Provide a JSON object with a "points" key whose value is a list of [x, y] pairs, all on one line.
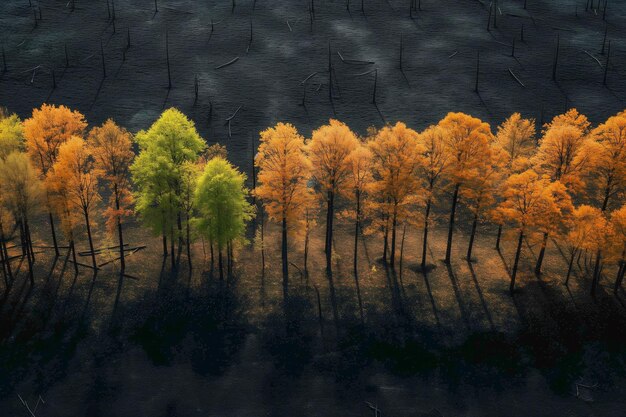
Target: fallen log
{"points": [[232, 61]]}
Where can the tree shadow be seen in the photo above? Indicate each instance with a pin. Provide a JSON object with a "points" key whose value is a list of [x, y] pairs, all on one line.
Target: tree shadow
{"points": [[457, 294], [480, 295]]}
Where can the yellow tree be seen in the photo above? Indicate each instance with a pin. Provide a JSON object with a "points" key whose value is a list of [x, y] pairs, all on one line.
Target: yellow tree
{"points": [[112, 150], [75, 177], [21, 192], [328, 150], [436, 163], [359, 178], [565, 154], [585, 227], [516, 137], [609, 171], [283, 172], [618, 242], [45, 131], [396, 157], [527, 199], [467, 142], [480, 191], [11, 134]]}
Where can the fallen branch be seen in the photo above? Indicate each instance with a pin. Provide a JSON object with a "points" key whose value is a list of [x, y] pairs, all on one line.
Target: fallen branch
{"points": [[516, 79], [135, 250], [308, 78], [453, 55], [228, 63], [231, 117], [594, 58], [354, 61]]}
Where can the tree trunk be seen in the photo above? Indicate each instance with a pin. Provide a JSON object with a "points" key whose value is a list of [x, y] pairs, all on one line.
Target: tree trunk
{"points": [[73, 249], [220, 263], [472, 235], [542, 253], [29, 240], [356, 232], [386, 239], [402, 250], [5, 252], [93, 254], [596, 273], [54, 234], [306, 253], [425, 240], [285, 260], [172, 247], [455, 198], [569, 266], [394, 224], [120, 235], [498, 237], [516, 263], [188, 241], [329, 230]]}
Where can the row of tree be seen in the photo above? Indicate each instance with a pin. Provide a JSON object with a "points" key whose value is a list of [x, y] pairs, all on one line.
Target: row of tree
{"points": [[564, 184]]}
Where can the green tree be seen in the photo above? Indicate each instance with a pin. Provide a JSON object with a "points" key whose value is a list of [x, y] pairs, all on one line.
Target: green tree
{"points": [[220, 201], [158, 174], [11, 134]]}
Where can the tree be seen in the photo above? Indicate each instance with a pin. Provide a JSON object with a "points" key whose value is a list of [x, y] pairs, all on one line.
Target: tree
{"points": [[158, 170], [75, 177], [283, 173], [112, 149], [328, 150], [21, 192], [45, 131], [396, 157], [467, 142], [528, 197], [585, 229], [479, 192], [516, 137], [609, 170], [436, 163], [11, 134], [618, 242], [565, 154], [358, 180], [220, 200]]}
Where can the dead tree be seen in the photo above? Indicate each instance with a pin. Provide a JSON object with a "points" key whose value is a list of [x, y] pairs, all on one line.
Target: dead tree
{"points": [[556, 57], [104, 70], [167, 57], [606, 66], [477, 70]]}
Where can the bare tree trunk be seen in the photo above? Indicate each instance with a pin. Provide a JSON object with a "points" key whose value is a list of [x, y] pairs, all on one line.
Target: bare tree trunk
{"points": [[498, 237], [569, 265], [472, 235], [516, 263], [73, 249], [394, 223], [5, 252], [329, 230], [164, 245], [54, 234], [285, 259], [93, 254], [455, 198], [220, 263], [425, 240], [542, 253], [120, 235], [596, 272]]}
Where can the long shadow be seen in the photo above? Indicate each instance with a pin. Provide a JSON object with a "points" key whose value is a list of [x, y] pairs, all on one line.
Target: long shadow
{"points": [[432, 299], [480, 295], [457, 294], [93, 283], [333, 298]]}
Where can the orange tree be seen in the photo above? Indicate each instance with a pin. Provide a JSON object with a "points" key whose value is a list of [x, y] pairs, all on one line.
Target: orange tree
{"points": [[75, 176], [436, 163], [45, 131], [283, 172], [397, 156], [112, 150], [467, 143], [328, 150]]}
